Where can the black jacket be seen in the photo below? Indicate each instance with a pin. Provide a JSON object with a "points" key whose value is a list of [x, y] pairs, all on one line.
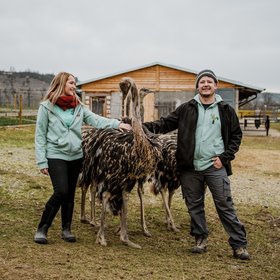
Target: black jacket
{"points": [[184, 118]]}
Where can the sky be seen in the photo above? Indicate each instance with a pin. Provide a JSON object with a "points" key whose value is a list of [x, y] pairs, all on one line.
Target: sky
{"points": [[237, 39]]}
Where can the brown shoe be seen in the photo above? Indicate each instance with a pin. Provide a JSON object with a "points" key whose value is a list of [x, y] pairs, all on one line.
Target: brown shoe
{"points": [[241, 253], [201, 245]]}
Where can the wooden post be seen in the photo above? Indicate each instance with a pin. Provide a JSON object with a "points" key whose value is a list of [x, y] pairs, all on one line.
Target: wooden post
{"points": [[15, 101], [20, 109]]}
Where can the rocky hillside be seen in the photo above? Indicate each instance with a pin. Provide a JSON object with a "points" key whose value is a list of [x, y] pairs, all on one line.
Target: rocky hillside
{"points": [[31, 86]]}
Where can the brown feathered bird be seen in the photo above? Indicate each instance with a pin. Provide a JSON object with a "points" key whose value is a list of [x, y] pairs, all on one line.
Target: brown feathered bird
{"points": [[166, 179], [114, 161], [126, 105], [87, 139]]}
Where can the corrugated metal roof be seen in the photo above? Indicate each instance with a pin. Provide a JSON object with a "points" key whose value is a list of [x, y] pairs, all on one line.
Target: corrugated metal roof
{"points": [[169, 66]]}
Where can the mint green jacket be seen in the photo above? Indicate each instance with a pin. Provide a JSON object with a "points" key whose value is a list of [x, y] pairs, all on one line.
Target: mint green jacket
{"points": [[208, 135], [55, 139]]}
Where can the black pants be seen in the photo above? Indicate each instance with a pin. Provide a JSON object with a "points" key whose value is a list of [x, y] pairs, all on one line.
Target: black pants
{"points": [[64, 175]]}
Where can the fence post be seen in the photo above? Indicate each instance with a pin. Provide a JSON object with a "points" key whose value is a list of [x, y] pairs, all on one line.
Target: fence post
{"points": [[20, 109], [267, 125]]}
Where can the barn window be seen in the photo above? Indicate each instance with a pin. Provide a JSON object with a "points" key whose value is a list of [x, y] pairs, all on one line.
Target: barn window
{"points": [[97, 105], [164, 108]]}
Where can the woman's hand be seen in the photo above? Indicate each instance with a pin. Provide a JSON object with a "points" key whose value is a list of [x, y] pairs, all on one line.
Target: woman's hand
{"points": [[45, 171], [124, 126]]}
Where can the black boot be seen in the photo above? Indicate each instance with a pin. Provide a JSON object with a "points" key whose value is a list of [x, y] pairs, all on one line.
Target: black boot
{"points": [[46, 221], [67, 236], [41, 235], [66, 219]]}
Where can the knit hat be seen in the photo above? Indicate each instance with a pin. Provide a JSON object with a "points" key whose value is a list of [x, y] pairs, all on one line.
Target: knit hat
{"points": [[206, 72]]}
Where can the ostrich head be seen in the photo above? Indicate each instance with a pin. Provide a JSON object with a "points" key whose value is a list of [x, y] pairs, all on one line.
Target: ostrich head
{"points": [[125, 86], [143, 92], [129, 90]]}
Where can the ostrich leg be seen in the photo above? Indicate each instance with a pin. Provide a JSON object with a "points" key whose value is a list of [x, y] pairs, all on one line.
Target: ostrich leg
{"points": [[100, 235], [171, 193], [169, 218], [123, 230], [83, 206], [83, 218], [143, 221], [93, 221]]}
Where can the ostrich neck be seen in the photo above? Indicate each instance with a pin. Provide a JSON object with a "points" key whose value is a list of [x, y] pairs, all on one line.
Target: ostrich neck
{"points": [[140, 136], [135, 102]]}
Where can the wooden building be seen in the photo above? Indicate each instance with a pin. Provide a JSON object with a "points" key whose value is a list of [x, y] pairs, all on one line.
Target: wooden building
{"points": [[172, 86]]}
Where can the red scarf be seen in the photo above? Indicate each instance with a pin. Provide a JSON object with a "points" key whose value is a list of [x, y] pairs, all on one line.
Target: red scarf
{"points": [[67, 102]]}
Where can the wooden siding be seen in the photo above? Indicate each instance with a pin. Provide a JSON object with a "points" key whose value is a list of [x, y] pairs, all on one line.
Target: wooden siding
{"points": [[158, 78]]}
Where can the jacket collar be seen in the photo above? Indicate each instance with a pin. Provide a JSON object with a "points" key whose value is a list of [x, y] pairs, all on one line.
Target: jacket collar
{"points": [[218, 99]]}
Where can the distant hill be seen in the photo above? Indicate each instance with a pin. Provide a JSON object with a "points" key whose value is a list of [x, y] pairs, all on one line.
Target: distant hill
{"points": [[32, 86], [264, 101]]}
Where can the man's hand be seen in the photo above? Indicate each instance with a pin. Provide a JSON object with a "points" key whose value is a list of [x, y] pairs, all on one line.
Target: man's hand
{"points": [[217, 162]]}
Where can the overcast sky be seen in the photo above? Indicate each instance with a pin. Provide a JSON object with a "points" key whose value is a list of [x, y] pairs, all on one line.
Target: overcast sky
{"points": [[238, 39]]}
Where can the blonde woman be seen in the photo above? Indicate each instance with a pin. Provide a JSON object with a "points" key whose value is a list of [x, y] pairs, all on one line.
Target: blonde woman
{"points": [[59, 151]]}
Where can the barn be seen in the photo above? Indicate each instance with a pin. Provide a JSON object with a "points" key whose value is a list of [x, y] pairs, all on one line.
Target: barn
{"points": [[171, 86]]}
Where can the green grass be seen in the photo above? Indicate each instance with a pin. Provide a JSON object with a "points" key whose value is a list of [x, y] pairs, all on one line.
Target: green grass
{"points": [[166, 255], [17, 137], [5, 121]]}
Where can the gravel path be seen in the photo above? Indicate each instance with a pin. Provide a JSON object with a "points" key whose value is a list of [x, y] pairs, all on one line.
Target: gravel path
{"points": [[256, 178]]}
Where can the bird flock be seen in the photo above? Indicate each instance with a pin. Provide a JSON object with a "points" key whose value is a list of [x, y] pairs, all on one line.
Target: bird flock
{"points": [[116, 161]]}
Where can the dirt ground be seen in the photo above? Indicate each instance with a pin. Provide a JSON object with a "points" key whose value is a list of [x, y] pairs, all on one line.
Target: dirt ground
{"points": [[23, 192]]}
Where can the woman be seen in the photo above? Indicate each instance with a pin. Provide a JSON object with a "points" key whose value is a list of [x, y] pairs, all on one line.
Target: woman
{"points": [[59, 151]]}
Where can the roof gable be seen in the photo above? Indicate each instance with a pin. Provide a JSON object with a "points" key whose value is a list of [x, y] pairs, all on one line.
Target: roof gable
{"points": [[190, 71]]}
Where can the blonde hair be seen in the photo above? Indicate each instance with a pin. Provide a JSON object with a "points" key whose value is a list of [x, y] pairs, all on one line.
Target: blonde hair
{"points": [[57, 86]]}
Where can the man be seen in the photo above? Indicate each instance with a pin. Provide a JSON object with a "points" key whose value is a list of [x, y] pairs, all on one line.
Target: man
{"points": [[209, 135]]}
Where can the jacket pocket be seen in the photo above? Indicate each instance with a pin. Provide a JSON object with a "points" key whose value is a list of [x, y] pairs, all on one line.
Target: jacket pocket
{"points": [[62, 143]]}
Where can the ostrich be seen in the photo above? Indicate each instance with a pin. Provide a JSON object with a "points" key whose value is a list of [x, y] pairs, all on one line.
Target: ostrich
{"points": [[114, 161], [140, 189], [142, 92], [86, 135], [163, 180], [166, 179]]}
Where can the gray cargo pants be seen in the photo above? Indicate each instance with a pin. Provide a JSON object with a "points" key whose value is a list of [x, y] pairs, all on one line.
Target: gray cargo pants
{"points": [[193, 189]]}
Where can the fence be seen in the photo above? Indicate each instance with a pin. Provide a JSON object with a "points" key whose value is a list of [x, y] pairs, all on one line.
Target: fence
{"points": [[274, 115]]}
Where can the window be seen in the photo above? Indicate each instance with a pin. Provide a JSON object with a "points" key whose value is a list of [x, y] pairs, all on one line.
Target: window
{"points": [[97, 105]]}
